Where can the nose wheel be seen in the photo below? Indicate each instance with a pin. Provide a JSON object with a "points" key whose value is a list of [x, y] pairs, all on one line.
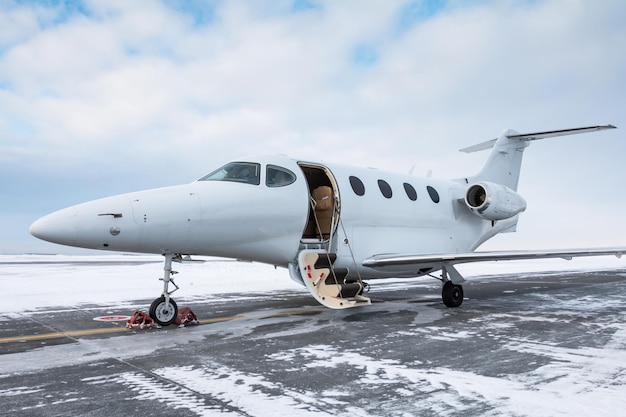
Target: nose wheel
{"points": [[164, 310]]}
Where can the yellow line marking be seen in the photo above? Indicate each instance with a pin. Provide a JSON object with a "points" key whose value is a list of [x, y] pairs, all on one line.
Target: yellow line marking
{"points": [[61, 334], [221, 319], [122, 329]]}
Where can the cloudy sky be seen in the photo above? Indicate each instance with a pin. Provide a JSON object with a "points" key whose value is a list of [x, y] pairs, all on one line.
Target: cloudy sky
{"points": [[106, 97]]}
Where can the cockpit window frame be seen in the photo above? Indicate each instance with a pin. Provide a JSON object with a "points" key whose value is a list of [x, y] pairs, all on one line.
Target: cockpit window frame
{"points": [[235, 172], [271, 178]]}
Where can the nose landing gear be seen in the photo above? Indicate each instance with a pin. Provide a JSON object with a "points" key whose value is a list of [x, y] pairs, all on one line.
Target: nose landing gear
{"points": [[164, 309]]}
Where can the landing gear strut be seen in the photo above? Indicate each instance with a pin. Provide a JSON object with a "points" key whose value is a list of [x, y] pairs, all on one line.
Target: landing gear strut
{"points": [[164, 309]]}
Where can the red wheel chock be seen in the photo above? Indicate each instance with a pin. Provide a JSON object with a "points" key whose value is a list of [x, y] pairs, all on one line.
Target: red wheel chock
{"points": [[141, 320], [186, 317]]}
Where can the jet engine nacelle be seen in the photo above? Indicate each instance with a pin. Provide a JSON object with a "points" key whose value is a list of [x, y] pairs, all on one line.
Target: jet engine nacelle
{"points": [[493, 201]]}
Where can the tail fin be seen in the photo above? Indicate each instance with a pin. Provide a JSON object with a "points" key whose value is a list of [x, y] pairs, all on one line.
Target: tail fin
{"points": [[505, 161]]}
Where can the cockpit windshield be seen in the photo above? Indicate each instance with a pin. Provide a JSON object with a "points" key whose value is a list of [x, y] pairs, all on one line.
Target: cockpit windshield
{"points": [[246, 172]]}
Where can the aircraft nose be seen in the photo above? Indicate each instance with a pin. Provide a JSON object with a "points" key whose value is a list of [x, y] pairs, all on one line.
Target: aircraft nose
{"points": [[58, 227]]}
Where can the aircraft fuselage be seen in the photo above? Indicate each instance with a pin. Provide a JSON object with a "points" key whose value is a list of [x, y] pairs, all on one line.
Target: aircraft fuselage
{"points": [[374, 213]]}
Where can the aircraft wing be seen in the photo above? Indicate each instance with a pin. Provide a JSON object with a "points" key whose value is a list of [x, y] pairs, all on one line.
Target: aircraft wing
{"points": [[390, 260]]}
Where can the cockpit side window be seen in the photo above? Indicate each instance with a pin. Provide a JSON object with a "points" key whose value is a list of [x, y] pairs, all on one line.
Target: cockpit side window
{"points": [[246, 172], [276, 176]]}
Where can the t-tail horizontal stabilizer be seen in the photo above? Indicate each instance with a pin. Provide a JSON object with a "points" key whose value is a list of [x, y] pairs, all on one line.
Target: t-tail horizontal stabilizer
{"points": [[504, 163], [536, 136]]}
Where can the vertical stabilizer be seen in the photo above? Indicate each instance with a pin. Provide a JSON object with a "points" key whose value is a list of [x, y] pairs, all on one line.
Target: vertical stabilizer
{"points": [[505, 161]]}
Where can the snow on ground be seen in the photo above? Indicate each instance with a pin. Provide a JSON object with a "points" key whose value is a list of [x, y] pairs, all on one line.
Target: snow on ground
{"points": [[570, 379], [32, 282], [38, 281]]}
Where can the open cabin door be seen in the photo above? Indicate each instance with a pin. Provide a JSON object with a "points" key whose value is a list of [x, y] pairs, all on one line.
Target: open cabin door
{"points": [[330, 285], [324, 203]]}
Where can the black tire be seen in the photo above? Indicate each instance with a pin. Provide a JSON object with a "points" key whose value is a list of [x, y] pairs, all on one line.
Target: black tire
{"points": [[163, 314], [452, 294]]}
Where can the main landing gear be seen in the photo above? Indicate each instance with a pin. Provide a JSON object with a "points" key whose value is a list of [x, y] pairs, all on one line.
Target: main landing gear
{"points": [[452, 291], [452, 294], [164, 309]]}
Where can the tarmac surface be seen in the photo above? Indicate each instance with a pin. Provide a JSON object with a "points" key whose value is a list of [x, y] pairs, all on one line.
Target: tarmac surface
{"points": [[540, 344]]}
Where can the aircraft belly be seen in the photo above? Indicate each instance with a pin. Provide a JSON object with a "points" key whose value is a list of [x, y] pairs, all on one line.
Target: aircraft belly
{"points": [[273, 250], [367, 241]]}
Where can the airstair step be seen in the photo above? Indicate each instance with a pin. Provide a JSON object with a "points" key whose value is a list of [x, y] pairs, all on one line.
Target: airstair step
{"points": [[350, 290], [325, 260], [337, 276]]}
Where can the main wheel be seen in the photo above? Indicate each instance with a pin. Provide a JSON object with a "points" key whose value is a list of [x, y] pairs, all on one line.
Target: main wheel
{"points": [[163, 313], [452, 294]]}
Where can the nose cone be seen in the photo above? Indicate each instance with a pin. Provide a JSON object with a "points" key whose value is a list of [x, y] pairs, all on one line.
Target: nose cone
{"points": [[58, 227]]}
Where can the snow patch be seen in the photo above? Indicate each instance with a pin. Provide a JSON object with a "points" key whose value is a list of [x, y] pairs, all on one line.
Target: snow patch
{"points": [[32, 282]]}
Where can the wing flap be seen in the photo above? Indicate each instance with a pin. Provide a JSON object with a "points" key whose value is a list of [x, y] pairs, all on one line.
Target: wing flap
{"points": [[389, 260]]}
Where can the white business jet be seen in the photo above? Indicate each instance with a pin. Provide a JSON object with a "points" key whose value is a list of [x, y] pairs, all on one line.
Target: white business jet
{"points": [[331, 226]]}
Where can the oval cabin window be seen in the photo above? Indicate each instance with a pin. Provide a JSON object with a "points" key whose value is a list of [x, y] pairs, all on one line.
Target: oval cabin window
{"points": [[385, 188], [434, 195], [410, 191], [357, 185]]}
